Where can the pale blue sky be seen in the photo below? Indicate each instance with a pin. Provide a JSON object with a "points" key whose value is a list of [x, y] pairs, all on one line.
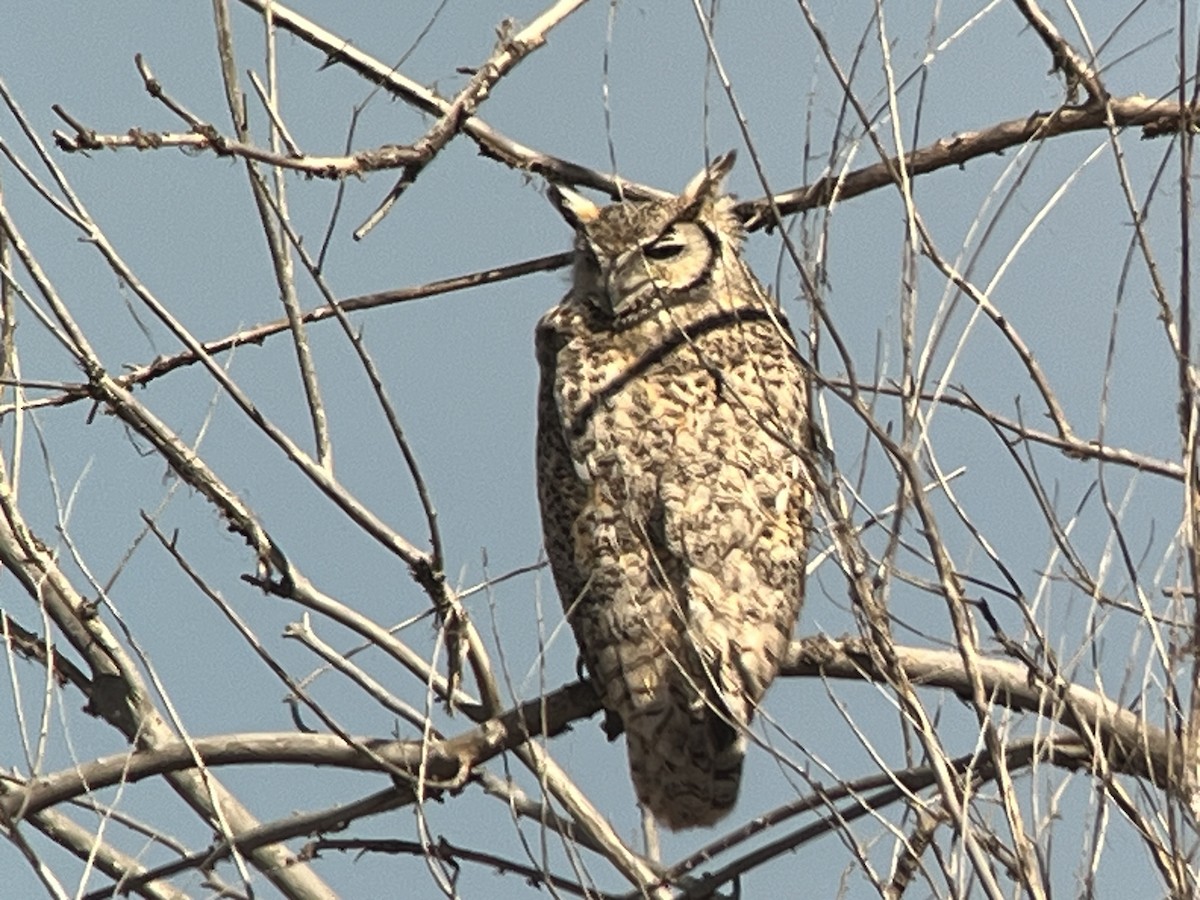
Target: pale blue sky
{"points": [[460, 368]]}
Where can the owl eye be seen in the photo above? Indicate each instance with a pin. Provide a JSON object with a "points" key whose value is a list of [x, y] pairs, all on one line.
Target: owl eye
{"points": [[666, 247]]}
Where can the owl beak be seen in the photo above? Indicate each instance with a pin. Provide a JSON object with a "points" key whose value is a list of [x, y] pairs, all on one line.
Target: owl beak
{"points": [[624, 282], [610, 288], [629, 275]]}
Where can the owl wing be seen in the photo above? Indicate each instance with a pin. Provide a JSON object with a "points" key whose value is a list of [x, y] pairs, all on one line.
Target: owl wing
{"points": [[561, 492], [734, 509]]}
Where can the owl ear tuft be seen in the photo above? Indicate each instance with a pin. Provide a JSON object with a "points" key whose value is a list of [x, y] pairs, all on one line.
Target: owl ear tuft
{"points": [[708, 182], [577, 209]]}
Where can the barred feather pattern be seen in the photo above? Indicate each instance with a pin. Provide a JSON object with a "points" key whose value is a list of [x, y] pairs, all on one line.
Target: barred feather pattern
{"points": [[672, 453]]}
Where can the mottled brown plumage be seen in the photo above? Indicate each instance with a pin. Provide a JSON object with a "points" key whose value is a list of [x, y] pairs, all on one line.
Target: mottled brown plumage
{"points": [[672, 439]]}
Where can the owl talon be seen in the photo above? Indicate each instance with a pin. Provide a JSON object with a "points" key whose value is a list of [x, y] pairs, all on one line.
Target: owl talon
{"points": [[613, 726]]}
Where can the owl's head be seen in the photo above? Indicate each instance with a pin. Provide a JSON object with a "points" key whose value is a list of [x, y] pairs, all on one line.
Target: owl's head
{"points": [[635, 256]]}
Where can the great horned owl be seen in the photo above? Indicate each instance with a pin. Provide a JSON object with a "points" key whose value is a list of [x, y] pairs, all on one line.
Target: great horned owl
{"points": [[672, 434]]}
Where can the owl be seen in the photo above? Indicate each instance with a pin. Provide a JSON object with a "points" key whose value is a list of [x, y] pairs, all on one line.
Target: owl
{"points": [[672, 442]]}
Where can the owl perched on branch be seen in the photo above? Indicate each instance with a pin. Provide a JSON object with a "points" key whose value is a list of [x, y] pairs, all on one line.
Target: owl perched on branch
{"points": [[673, 437]]}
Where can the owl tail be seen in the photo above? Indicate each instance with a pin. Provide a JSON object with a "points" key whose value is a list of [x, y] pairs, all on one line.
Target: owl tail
{"points": [[686, 764]]}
